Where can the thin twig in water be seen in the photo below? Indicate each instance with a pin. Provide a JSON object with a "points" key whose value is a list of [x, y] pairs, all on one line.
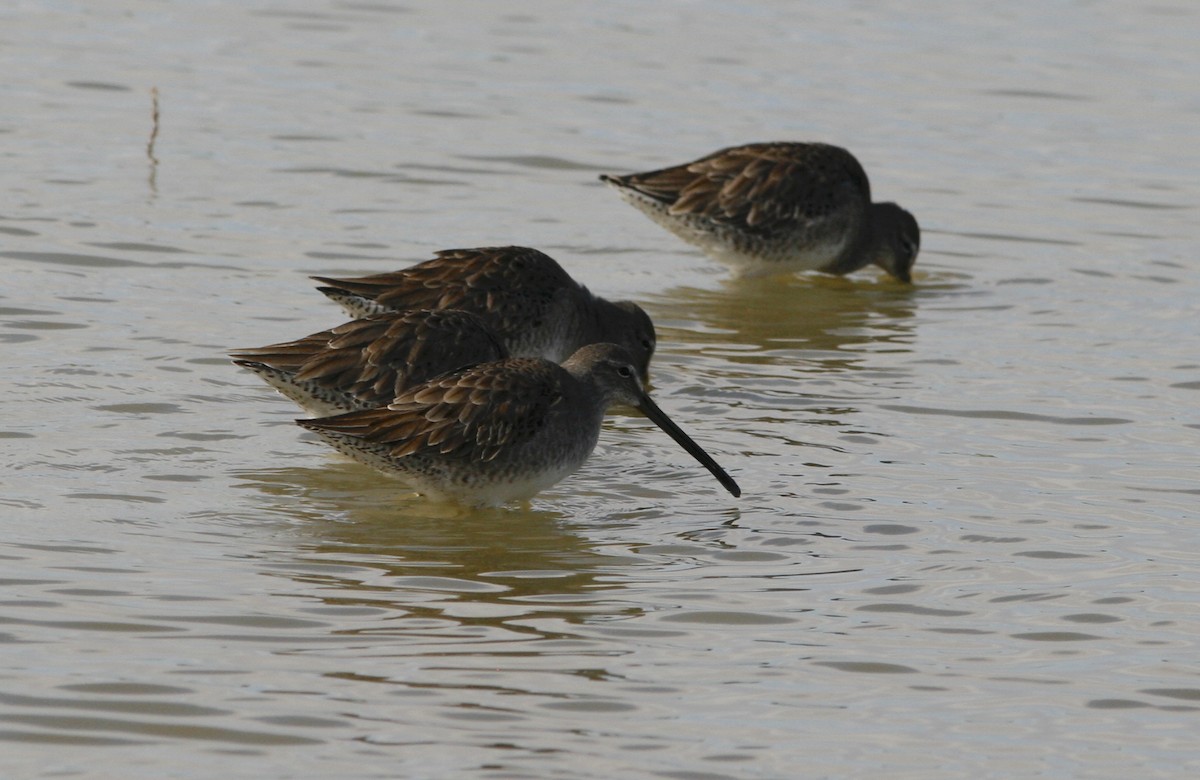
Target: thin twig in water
{"points": [[153, 126], [153, 138]]}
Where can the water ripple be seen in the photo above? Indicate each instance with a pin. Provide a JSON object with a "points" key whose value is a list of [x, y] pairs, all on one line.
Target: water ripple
{"points": [[1001, 414]]}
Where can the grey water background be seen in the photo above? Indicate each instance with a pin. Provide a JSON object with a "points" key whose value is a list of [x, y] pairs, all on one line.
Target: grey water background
{"points": [[969, 540]]}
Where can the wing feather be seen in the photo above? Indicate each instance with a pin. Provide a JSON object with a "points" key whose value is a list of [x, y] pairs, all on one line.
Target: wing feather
{"points": [[374, 359], [760, 188], [483, 281], [473, 414]]}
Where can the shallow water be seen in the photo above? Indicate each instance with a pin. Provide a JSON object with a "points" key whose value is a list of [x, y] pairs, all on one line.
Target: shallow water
{"points": [[967, 544]]}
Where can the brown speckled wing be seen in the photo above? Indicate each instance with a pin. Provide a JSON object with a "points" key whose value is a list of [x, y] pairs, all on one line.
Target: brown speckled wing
{"points": [[376, 358], [288, 356], [504, 284], [760, 188], [473, 414]]}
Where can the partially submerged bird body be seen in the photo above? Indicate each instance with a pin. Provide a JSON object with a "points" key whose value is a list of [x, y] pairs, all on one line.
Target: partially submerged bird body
{"points": [[366, 363], [525, 296], [777, 207], [500, 431]]}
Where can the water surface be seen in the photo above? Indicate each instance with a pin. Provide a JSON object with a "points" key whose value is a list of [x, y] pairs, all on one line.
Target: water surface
{"points": [[967, 544]]}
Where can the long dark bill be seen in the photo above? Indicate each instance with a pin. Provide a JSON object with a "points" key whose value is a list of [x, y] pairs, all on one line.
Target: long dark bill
{"points": [[659, 418]]}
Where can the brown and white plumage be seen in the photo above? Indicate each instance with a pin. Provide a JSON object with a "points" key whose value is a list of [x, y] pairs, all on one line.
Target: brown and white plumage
{"points": [[501, 431], [534, 306], [776, 207], [366, 363]]}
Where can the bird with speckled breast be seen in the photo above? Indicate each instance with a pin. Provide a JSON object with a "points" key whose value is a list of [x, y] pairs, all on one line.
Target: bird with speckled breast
{"points": [[501, 431], [769, 208], [525, 296]]}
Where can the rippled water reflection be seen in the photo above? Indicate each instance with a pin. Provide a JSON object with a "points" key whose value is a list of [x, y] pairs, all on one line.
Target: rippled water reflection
{"points": [[967, 543]]}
